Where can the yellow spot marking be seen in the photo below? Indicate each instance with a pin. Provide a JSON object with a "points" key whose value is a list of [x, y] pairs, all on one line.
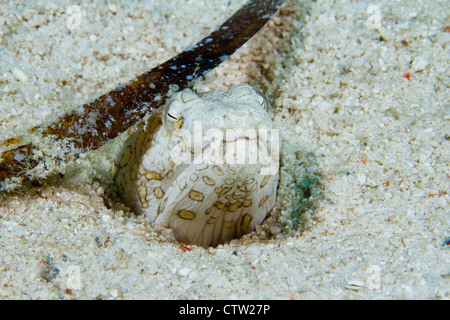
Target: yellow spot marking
{"points": [[150, 175], [263, 200], [211, 220], [265, 180], [234, 206], [250, 181], [142, 194], [224, 191], [187, 215], [208, 181], [229, 181], [237, 196], [195, 195], [113, 169], [245, 222], [194, 177], [218, 190], [253, 188], [139, 141], [219, 205], [158, 193], [247, 203], [218, 171]]}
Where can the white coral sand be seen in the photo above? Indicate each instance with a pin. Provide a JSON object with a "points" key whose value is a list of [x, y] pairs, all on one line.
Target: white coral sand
{"points": [[361, 90]]}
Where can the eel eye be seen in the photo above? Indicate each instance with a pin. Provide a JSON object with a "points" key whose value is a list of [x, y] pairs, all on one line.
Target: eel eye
{"points": [[174, 118], [245, 92], [262, 101]]}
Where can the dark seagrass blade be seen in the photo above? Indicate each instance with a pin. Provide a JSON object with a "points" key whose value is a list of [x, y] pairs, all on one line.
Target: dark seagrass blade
{"points": [[114, 112]]}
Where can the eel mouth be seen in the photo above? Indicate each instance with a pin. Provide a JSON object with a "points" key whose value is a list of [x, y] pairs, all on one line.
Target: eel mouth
{"points": [[233, 147], [241, 150]]}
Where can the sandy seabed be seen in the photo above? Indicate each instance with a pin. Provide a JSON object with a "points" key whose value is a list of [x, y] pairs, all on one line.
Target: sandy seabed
{"points": [[359, 89]]}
